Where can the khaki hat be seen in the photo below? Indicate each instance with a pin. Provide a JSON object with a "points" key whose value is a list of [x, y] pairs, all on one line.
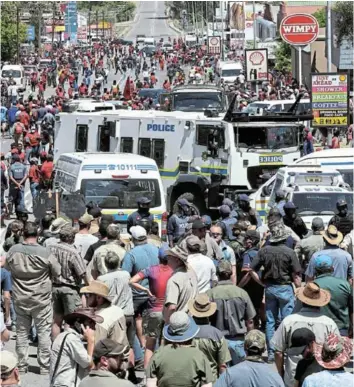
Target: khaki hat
{"points": [[8, 361], [178, 253], [84, 313], [332, 236], [201, 306], [86, 218], [255, 339], [57, 225], [97, 287], [109, 348], [192, 241], [224, 267], [312, 294]]}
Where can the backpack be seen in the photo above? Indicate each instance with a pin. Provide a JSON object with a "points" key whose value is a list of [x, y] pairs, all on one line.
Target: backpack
{"points": [[18, 128]]}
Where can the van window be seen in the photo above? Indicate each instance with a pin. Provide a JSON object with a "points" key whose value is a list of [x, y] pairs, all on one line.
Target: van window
{"points": [[11, 73], [81, 138], [144, 147], [126, 145], [158, 151], [277, 186], [205, 134], [103, 143]]}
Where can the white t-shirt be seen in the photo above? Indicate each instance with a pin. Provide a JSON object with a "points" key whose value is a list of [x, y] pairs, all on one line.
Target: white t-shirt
{"points": [[83, 242], [204, 269]]}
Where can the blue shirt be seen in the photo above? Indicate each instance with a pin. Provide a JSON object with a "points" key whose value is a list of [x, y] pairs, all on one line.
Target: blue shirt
{"points": [[342, 263], [6, 284], [12, 114], [3, 113], [138, 259], [250, 374], [328, 378]]}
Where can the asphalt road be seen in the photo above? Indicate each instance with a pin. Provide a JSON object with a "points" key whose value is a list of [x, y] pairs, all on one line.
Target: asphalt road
{"points": [[151, 21]]}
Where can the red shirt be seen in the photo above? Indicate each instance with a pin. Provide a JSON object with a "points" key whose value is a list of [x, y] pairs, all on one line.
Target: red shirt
{"points": [[33, 138], [34, 174], [47, 169], [335, 143], [158, 276]]}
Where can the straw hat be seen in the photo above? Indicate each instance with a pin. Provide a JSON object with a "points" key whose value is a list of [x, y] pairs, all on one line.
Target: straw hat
{"points": [[332, 236], [335, 352], [97, 287], [311, 294], [201, 306]]}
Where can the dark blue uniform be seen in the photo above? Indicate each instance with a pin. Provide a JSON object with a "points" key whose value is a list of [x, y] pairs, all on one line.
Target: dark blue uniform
{"points": [[136, 216]]}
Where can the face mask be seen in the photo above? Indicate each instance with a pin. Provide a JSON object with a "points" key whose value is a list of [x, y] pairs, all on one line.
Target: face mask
{"points": [[143, 210]]}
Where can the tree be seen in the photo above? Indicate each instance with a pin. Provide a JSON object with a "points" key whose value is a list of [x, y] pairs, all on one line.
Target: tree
{"points": [[320, 15], [344, 20], [8, 28], [283, 57]]}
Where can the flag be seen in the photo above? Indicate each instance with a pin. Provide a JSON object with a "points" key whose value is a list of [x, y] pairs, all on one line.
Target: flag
{"points": [[127, 93]]}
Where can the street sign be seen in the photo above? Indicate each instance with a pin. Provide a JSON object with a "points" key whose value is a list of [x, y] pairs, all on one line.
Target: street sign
{"points": [[299, 29], [330, 99], [257, 65], [214, 45], [30, 33]]}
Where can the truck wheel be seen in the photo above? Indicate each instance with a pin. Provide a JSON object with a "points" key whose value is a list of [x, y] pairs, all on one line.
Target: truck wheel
{"points": [[198, 205]]}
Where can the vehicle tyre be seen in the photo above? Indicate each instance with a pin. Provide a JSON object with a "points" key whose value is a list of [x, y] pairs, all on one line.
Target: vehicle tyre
{"points": [[198, 205]]}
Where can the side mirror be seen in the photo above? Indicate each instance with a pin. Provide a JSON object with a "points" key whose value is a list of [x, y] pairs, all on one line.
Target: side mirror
{"points": [[265, 191]]}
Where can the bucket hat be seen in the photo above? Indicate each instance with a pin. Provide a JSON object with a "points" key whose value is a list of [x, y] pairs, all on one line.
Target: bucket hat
{"points": [[332, 236], [57, 225], [278, 232], [201, 306], [181, 328], [178, 253], [97, 287], [312, 294], [335, 352]]}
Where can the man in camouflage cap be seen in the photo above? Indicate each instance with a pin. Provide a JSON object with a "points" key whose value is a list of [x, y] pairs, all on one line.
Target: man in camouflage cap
{"points": [[252, 371]]}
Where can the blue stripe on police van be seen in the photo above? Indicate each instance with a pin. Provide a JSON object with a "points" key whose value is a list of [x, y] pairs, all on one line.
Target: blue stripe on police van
{"points": [[124, 217], [339, 163]]}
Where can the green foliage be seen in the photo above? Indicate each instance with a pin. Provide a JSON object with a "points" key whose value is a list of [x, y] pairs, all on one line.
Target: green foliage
{"points": [[283, 57], [344, 20], [9, 31], [124, 9], [320, 15]]}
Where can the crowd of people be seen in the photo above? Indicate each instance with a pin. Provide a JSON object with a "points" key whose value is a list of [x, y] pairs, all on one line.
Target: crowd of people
{"points": [[212, 305]]}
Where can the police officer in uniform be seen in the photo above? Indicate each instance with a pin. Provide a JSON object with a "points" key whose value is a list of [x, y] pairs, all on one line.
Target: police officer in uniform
{"points": [[178, 222], [142, 212], [227, 223], [231, 204], [245, 212], [294, 221], [342, 220], [18, 176]]}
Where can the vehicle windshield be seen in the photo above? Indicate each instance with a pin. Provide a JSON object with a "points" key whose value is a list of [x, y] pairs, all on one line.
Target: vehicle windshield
{"points": [[230, 72], [120, 193], [150, 93], [198, 101], [312, 203], [11, 73], [266, 138]]}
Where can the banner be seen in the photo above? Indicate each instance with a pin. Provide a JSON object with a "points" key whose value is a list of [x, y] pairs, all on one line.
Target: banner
{"points": [[330, 99], [70, 20], [257, 65], [214, 45]]}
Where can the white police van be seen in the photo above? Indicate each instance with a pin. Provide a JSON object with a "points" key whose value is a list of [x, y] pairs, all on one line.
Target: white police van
{"points": [[114, 181]]}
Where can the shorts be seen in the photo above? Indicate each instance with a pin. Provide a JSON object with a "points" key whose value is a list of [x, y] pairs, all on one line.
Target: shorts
{"points": [[153, 324], [65, 300], [140, 305], [130, 323]]}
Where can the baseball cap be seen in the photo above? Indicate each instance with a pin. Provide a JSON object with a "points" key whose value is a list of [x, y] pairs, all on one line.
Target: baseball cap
{"points": [[206, 219], [323, 261], [8, 362], [317, 224], [228, 202], [143, 200], [183, 202], [253, 234], [198, 224], [255, 339], [244, 197], [193, 241], [341, 202], [109, 348], [289, 205], [224, 267], [224, 210], [300, 339], [138, 232], [86, 218]]}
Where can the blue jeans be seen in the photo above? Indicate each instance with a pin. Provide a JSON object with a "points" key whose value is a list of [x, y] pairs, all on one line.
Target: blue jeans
{"points": [[279, 300], [34, 191], [237, 351], [138, 353]]}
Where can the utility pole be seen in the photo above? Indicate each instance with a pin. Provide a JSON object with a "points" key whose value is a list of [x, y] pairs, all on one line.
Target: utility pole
{"points": [[53, 23], [96, 24], [329, 37], [39, 10], [89, 23], [254, 26], [18, 32], [222, 30], [103, 29]]}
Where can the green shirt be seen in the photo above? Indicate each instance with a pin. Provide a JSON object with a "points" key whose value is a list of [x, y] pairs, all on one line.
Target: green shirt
{"points": [[179, 366], [341, 302]]}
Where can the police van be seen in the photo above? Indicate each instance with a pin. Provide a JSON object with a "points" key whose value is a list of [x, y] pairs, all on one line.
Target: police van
{"points": [[294, 176], [114, 181]]}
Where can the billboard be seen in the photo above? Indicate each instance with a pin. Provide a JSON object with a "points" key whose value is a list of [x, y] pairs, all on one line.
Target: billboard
{"points": [[330, 99], [30, 33], [214, 44], [70, 20], [257, 65]]}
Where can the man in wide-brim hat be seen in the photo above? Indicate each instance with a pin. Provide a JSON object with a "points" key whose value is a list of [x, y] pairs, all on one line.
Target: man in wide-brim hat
{"points": [[332, 355], [209, 339]]}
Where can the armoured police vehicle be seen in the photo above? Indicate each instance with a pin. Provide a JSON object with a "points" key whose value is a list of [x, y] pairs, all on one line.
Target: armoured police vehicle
{"points": [[204, 156]]}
